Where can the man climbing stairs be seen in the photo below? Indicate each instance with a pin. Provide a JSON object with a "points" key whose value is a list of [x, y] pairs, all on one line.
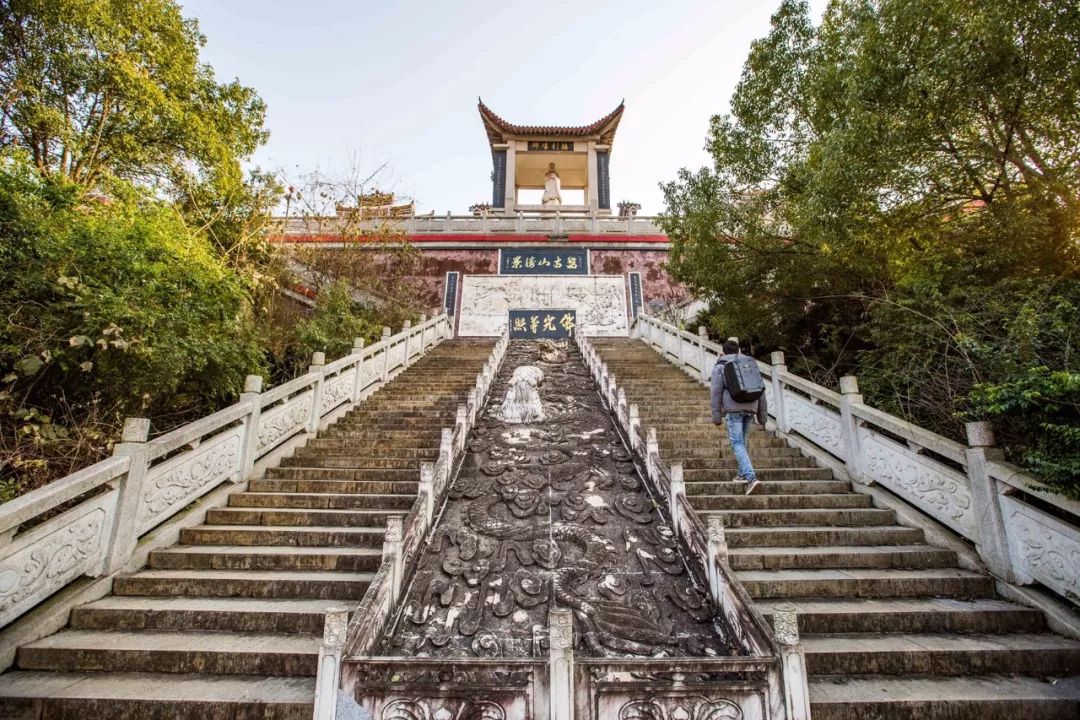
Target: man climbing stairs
{"points": [[892, 627], [227, 624]]}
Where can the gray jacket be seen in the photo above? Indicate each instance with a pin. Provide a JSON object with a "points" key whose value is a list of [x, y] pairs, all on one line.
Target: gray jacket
{"points": [[722, 402]]}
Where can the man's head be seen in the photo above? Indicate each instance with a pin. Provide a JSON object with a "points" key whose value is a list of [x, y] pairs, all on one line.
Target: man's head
{"points": [[730, 347]]}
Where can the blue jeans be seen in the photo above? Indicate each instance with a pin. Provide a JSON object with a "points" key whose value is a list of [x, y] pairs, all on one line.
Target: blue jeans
{"points": [[738, 428]]}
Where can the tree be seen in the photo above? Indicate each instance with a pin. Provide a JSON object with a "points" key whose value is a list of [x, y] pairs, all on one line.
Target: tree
{"points": [[889, 190], [95, 88]]}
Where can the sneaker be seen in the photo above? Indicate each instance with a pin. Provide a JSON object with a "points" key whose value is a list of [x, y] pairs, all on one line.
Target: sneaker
{"points": [[739, 479], [752, 485]]}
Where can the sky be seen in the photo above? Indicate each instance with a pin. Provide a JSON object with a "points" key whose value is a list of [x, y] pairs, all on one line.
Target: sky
{"points": [[356, 83]]}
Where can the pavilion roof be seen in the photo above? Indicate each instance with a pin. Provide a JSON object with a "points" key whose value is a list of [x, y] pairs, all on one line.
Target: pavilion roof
{"points": [[498, 130]]}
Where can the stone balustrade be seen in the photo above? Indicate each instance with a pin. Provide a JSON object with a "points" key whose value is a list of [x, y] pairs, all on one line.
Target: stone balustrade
{"points": [[970, 489], [148, 482], [553, 223]]}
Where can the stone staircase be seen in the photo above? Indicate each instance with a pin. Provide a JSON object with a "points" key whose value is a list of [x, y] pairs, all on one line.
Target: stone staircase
{"points": [[227, 624], [891, 626]]}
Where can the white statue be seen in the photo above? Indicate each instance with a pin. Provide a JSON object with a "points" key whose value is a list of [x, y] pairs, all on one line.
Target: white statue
{"points": [[551, 187], [522, 402]]}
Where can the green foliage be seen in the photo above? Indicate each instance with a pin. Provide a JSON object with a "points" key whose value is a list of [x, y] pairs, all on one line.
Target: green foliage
{"points": [[333, 325], [896, 193]]}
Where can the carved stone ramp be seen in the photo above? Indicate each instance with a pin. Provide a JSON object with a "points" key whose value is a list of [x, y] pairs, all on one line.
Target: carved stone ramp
{"points": [[892, 627], [552, 546], [228, 623]]}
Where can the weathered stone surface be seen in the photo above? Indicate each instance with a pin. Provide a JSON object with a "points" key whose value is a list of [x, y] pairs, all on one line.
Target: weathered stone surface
{"points": [[553, 515]]}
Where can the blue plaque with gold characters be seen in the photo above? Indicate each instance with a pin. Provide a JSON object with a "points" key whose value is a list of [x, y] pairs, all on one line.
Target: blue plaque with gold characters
{"points": [[548, 261], [546, 324]]}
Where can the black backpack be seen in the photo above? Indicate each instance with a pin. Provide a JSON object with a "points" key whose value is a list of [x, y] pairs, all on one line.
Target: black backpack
{"points": [[742, 379]]}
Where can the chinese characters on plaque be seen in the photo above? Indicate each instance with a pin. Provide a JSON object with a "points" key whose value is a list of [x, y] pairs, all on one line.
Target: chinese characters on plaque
{"points": [[550, 146], [571, 261], [548, 324]]}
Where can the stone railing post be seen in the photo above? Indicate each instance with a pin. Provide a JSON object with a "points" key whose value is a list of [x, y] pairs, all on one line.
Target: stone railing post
{"points": [[703, 336], [252, 395], [357, 349], [991, 540], [385, 354], [678, 489], [793, 659], [633, 424], [561, 664], [335, 627], [519, 224], [718, 557], [427, 489], [849, 396], [779, 412], [620, 408], [652, 449], [405, 327], [392, 551], [318, 360], [461, 427], [125, 533]]}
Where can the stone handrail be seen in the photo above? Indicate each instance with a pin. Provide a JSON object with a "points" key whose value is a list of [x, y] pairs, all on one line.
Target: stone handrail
{"points": [[149, 481], [707, 545], [555, 223], [968, 488], [405, 537]]}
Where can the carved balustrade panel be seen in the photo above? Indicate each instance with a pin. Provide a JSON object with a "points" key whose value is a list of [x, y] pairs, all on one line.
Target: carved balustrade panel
{"points": [[1044, 548], [691, 353], [179, 480], [931, 486], [371, 370], [396, 356], [45, 559], [337, 390], [283, 421], [816, 423]]}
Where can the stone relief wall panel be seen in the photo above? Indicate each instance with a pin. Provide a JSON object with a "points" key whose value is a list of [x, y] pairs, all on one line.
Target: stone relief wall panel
{"points": [[178, 481], [282, 421], [816, 423], [600, 302], [47, 558], [932, 487], [1045, 548]]}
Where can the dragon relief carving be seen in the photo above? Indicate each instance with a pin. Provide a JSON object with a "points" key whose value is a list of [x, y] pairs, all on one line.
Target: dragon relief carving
{"points": [[549, 515]]}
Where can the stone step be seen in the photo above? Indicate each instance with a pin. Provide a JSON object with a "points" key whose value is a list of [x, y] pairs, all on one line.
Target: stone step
{"points": [[859, 556], [245, 584], [384, 450], [775, 487], [273, 557], [760, 461], [910, 615], [723, 450], [987, 697], [765, 474], [822, 536], [152, 696], [205, 614], [336, 487], [316, 473], [351, 461], [940, 654], [293, 517], [284, 536], [844, 517], [317, 501], [759, 501], [173, 652], [868, 583], [399, 438]]}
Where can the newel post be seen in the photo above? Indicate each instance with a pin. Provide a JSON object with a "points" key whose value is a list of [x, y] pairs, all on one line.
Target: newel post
{"points": [[392, 551], [678, 489], [125, 531], [779, 411], [335, 628], [849, 397], [386, 354], [793, 659], [718, 558], [427, 490], [357, 349], [561, 664], [405, 327], [703, 337], [986, 492], [318, 360], [652, 449], [253, 396], [633, 425]]}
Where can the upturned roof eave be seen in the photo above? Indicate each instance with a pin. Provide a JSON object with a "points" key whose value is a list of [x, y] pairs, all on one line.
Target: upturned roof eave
{"points": [[500, 131]]}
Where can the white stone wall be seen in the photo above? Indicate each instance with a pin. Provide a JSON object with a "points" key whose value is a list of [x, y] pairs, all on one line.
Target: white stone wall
{"points": [[600, 301]]}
